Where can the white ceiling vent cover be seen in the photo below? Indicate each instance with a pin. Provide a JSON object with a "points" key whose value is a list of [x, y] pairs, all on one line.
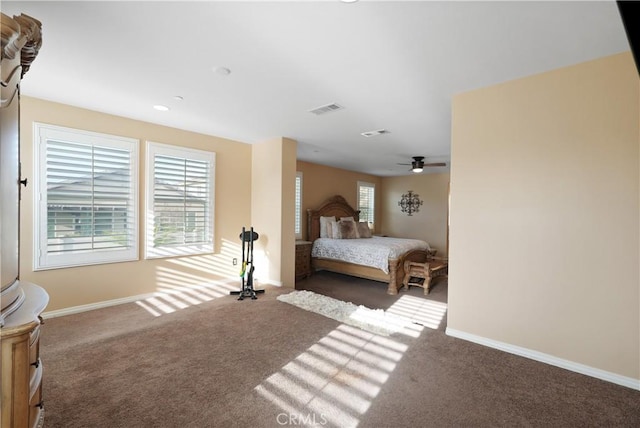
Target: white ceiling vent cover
{"points": [[376, 132], [326, 109]]}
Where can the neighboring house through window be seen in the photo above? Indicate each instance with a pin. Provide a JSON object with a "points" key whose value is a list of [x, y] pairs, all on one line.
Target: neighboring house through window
{"points": [[180, 201], [366, 202], [298, 215], [86, 197]]}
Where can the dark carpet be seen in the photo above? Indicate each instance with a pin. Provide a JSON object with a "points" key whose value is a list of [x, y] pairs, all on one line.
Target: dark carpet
{"points": [[264, 363]]}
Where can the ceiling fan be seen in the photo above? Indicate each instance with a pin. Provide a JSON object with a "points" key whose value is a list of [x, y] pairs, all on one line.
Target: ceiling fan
{"points": [[417, 165]]}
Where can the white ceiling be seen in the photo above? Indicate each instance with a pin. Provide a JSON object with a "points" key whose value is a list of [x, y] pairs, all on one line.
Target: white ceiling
{"points": [[392, 65]]}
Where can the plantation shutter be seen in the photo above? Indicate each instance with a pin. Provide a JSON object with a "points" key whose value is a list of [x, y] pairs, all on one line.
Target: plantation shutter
{"points": [[89, 198], [180, 201], [366, 202], [298, 213]]}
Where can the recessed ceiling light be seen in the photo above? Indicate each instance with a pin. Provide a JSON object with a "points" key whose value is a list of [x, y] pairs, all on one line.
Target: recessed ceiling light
{"points": [[348, 1], [223, 71], [160, 107]]}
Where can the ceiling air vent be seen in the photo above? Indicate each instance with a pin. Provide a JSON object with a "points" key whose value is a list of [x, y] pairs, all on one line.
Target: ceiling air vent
{"points": [[326, 109], [376, 132]]}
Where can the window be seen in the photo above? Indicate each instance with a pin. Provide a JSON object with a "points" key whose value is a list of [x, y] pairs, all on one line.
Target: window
{"points": [[180, 190], [298, 220], [366, 202], [86, 198]]}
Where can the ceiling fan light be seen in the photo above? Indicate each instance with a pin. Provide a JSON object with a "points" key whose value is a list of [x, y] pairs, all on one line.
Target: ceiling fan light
{"points": [[416, 169]]}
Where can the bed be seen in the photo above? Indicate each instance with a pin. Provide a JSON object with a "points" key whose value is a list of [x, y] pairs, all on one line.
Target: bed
{"points": [[326, 251]]}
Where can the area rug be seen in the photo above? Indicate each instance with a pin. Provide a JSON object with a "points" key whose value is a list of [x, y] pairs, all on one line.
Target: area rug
{"points": [[373, 320]]}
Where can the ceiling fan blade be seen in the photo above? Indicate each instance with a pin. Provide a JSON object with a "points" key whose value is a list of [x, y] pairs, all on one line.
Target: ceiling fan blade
{"points": [[418, 163]]}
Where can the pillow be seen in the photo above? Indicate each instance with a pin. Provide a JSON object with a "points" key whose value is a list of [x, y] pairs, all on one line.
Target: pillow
{"points": [[355, 225], [348, 229], [323, 226], [331, 227], [334, 230], [363, 230]]}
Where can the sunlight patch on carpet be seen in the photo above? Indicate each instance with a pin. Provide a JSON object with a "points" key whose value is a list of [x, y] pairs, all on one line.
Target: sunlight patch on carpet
{"points": [[176, 291], [333, 382], [373, 320], [427, 313]]}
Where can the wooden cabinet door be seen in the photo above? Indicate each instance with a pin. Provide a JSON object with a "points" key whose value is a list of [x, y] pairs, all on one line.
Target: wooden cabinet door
{"points": [[9, 173]]}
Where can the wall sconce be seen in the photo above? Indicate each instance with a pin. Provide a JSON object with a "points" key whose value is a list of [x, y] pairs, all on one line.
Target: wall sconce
{"points": [[410, 203]]}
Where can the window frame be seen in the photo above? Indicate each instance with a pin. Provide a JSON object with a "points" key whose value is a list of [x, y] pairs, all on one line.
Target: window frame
{"points": [[207, 247], [298, 205], [372, 208], [42, 258]]}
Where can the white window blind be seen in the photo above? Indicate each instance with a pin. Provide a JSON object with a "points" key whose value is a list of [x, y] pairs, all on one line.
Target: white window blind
{"points": [[180, 201], [86, 190], [366, 202], [298, 215]]}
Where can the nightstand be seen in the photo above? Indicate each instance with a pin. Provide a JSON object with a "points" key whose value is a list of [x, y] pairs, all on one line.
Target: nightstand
{"points": [[303, 259]]}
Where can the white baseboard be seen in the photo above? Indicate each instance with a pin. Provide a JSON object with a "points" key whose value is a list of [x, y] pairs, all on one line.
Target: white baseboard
{"points": [[548, 359], [97, 305], [105, 304]]}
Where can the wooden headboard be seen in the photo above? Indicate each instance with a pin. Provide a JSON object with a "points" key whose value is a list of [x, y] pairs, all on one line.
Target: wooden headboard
{"points": [[335, 206]]}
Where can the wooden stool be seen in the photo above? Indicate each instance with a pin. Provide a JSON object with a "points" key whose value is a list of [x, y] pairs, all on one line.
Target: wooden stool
{"points": [[427, 271]]}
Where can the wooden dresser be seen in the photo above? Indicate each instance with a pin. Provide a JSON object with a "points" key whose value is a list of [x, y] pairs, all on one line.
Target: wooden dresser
{"points": [[20, 302], [22, 403], [303, 259]]}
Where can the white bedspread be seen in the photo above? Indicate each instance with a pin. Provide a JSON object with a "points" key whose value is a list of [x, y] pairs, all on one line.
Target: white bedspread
{"points": [[373, 252]]}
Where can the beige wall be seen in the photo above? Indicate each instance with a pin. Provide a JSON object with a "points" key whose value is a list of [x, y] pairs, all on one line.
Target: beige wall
{"points": [[273, 210], [321, 182], [91, 284], [544, 240], [430, 223]]}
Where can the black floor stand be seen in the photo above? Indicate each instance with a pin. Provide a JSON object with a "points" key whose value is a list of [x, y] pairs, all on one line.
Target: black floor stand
{"points": [[247, 238]]}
